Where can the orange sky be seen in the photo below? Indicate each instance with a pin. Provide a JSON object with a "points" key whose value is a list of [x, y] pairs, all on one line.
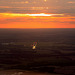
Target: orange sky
{"points": [[37, 13], [11, 20]]}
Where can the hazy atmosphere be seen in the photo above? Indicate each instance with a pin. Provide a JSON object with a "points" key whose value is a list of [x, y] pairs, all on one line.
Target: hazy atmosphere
{"points": [[37, 37], [37, 13]]}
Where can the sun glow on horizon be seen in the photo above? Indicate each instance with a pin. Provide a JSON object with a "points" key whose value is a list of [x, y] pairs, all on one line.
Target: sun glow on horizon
{"points": [[45, 0], [32, 15], [36, 20]]}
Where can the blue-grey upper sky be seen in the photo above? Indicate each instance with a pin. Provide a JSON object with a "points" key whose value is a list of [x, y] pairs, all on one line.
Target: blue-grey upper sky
{"points": [[38, 6]]}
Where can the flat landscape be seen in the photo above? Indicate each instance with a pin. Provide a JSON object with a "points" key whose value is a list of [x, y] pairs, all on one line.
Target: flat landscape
{"points": [[54, 53]]}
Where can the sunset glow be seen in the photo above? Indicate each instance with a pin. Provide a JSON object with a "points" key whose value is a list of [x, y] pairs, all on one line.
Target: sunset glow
{"points": [[37, 14], [42, 20], [40, 14]]}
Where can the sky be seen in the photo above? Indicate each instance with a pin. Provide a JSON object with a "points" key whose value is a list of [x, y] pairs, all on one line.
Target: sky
{"points": [[37, 13]]}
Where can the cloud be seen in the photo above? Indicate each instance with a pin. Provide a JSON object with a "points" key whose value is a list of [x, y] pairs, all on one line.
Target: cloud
{"points": [[7, 18], [22, 2], [72, 22], [71, 2], [37, 6], [72, 18], [66, 7]]}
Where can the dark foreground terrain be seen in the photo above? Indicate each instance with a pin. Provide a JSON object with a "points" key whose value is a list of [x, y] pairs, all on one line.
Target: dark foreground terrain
{"points": [[54, 54]]}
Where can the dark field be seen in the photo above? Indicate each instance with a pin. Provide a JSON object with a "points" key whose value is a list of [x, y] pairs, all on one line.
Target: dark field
{"points": [[54, 54]]}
